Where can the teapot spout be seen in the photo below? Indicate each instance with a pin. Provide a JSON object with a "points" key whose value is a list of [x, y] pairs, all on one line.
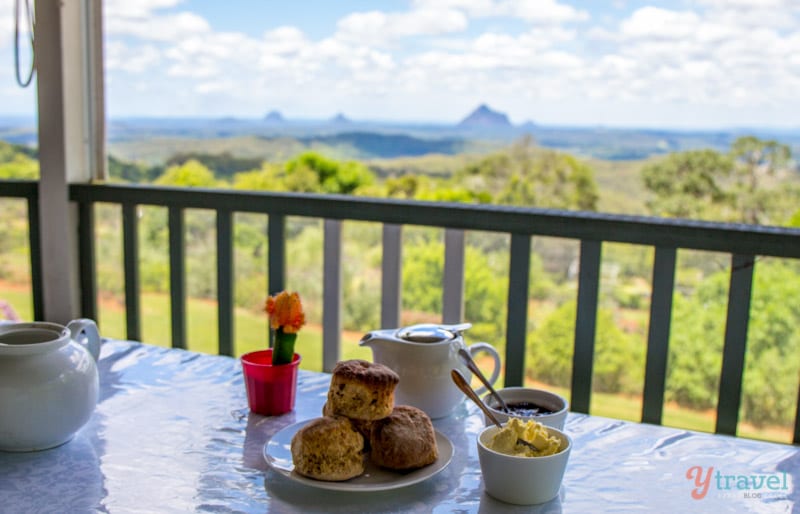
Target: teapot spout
{"points": [[368, 339], [378, 338]]}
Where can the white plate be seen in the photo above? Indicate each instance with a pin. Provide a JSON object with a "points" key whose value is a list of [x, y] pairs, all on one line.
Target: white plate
{"points": [[278, 454]]}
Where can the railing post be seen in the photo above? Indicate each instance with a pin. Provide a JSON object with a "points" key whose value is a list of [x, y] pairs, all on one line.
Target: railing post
{"points": [[331, 294], [130, 243], [658, 335], [225, 279], [276, 260], [391, 273], [453, 286], [517, 309], [34, 240], [730, 381], [88, 277], [585, 325], [177, 276]]}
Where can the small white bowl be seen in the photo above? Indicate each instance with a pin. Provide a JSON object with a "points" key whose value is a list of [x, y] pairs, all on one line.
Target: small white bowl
{"points": [[549, 400], [522, 480]]}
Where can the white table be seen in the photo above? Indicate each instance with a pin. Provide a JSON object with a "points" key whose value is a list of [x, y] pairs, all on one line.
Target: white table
{"points": [[172, 433]]}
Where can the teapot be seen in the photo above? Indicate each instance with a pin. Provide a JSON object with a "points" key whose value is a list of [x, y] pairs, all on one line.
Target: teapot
{"points": [[48, 382], [423, 356]]}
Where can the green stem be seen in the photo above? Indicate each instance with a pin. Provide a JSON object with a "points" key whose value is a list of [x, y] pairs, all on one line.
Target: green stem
{"points": [[283, 351]]}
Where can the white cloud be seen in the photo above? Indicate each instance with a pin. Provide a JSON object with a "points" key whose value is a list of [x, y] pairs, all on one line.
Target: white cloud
{"points": [[119, 56], [653, 22], [376, 27], [6, 28], [538, 11], [136, 8], [170, 27], [778, 14], [707, 53], [210, 55], [695, 57], [285, 40], [544, 11]]}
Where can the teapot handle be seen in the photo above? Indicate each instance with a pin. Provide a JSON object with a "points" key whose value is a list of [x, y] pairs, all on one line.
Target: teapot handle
{"points": [[88, 327], [487, 348]]}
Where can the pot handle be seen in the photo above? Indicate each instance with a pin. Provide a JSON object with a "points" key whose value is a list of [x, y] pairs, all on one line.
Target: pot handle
{"points": [[487, 348], [92, 340]]}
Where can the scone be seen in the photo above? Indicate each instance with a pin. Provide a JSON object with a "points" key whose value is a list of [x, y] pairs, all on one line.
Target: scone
{"points": [[404, 440], [362, 390], [364, 426], [328, 448]]}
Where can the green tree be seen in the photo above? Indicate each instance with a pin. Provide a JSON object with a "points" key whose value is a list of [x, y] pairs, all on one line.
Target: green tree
{"points": [[752, 183], [224, 164], [8, 152], [19, 166], [618, 361], [312, 172], [131, 171], [267, 178], [189, 174], [756, 161], [770, 378], [527, 175], [688, 184], [423, 272]]}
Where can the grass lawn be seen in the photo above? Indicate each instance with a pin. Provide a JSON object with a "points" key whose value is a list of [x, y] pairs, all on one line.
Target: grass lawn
{"points": [[251, 334]]}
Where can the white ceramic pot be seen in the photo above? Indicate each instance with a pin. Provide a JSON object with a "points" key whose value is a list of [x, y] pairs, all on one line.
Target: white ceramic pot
{"points": [[522, 480], [423, 356], [48, 382]]}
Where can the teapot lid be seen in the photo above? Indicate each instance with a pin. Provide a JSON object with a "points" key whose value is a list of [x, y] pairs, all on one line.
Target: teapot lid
{"points": [[425, 333]]}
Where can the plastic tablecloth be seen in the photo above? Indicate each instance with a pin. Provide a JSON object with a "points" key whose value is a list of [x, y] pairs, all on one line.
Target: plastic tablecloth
{"points": [[172, 433]]}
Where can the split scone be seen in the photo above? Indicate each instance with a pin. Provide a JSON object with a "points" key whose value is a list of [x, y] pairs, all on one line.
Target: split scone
{"points": [[328, 448]]}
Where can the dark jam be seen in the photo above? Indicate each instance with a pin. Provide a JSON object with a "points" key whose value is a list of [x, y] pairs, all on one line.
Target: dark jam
{"points": [[527, 409]]}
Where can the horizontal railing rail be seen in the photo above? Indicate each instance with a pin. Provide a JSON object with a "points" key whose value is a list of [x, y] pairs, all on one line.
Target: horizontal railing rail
{"points": [[744, 243]]}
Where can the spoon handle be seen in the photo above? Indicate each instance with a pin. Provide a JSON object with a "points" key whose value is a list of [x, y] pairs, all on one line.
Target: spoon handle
{"points": [[467, 359], [462, 384]]}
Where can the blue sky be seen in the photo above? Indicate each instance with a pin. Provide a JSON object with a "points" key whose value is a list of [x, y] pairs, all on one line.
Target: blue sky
{"points": [[677, 64]]}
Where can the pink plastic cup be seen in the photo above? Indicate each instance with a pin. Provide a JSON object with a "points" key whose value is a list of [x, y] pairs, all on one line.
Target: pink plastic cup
{"points": [[270, 389]]}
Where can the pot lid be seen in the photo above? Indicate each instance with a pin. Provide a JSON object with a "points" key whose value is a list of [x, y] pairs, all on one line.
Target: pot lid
{"points": [[426, 333]]}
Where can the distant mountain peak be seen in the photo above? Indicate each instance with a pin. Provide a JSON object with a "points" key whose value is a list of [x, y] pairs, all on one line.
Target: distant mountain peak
{"points": [[340, 118], [274, 117], [484, 116]]}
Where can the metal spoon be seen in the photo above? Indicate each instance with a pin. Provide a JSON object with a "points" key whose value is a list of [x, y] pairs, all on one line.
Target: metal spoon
{"points": [[462, 384], [466, 357]]}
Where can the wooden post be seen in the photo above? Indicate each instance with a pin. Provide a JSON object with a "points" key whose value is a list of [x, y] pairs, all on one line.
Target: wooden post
{"points": [[66, 142]]}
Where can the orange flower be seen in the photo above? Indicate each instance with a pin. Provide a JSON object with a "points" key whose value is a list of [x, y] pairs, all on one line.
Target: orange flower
{"points": [[285, 311]]}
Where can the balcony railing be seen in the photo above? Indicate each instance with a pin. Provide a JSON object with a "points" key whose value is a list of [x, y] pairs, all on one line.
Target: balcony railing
{"points": [[744, 243]]}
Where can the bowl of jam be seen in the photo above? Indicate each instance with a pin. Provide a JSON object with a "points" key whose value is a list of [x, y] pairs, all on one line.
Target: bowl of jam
{"points": [[546, 407]]}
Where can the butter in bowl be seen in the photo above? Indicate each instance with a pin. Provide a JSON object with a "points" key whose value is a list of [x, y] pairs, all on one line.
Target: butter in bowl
{"points": [[518, 473]]}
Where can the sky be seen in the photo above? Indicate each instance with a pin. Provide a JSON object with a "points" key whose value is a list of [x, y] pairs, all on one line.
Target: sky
{"points": [[686, 64]]}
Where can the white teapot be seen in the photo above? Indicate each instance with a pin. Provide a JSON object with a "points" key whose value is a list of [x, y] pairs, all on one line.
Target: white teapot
{"points": [[423, 356], [48, 382]]}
